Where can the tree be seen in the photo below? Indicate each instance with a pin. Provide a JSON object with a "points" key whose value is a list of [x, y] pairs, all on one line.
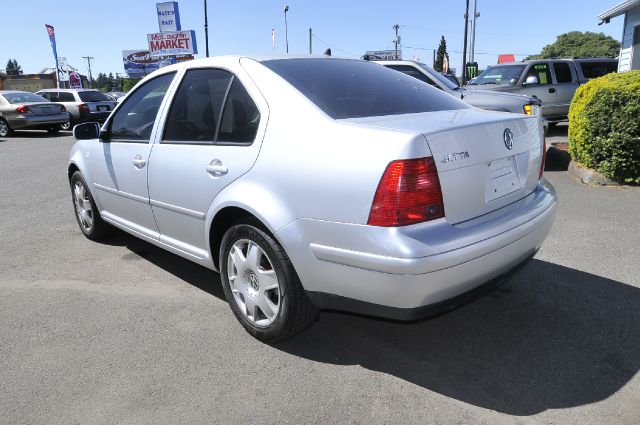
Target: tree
{"points": [[13, 68], [576, 44], [441, 54]]}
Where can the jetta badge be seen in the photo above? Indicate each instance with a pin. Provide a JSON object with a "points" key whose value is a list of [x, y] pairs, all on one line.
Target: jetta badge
{"points": [[508, 138]]}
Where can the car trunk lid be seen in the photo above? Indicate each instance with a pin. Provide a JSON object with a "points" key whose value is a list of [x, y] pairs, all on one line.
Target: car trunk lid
{"points": [[485, 160], [44, 108]]}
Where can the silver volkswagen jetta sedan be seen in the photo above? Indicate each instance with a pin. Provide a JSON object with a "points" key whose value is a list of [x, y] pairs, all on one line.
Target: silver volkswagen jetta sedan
{"points": [[317, 183]]}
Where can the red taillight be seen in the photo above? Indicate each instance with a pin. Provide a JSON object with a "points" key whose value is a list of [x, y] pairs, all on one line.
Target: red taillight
{"points": [[23, 109], [408, 193], [544, 155], [83, 107]]}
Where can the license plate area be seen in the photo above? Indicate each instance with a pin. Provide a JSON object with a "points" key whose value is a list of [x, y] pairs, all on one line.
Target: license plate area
{"points": [[502, 178], [103, 108]]}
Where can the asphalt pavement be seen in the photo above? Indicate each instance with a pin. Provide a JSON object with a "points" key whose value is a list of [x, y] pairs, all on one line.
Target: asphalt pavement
{"points": [[123, 332]]}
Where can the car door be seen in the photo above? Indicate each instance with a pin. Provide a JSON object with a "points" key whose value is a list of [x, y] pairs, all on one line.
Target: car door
{"points": [[566, 84], [211, 137], [119, 162], [543, 88]]}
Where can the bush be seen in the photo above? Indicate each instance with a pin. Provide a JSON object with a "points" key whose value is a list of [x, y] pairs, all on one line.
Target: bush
{"points": [[604, 126]]}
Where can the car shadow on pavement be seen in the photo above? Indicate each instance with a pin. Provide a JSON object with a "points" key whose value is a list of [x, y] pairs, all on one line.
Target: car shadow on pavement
{"points": [[36, 134], [188, 271], [558, 130], [551, 338]]}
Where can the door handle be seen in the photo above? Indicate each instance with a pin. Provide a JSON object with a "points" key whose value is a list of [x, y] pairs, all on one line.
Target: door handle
{"points": [[552, 90], [216, 169], [138, 162]]}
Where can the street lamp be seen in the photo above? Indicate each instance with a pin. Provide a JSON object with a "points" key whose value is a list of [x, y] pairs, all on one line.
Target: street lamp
{"points": [[286, 28]]}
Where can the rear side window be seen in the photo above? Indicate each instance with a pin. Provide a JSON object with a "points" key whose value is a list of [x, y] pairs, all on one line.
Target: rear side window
{"points": [[65, 97], [134, 120], [541, 71], [92, 96], [350, 88], [597, 69], [197, 105], [563, 72], [240, 118]]}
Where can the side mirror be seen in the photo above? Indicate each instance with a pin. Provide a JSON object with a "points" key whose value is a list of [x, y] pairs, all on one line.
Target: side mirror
{"points": [[86, 131], [532, 79]]}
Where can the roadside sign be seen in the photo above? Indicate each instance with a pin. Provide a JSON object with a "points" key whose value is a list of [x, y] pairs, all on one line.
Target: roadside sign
{"points": [[172, 43], [384, 54], [168, 16], [138, 63]]}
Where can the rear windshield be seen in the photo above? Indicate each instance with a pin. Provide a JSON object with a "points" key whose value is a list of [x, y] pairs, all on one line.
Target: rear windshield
{"points": [[597, 69], [499, 75], [350, 88], [93, 96], [23, 97]]}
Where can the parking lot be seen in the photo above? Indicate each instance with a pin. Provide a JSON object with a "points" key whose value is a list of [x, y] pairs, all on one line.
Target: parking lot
{"points": [[123, 332]]}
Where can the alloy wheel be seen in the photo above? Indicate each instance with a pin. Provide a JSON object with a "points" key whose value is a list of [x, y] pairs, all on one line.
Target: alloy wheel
{"points": [[83, 206], [254, 283], [4, 128]]}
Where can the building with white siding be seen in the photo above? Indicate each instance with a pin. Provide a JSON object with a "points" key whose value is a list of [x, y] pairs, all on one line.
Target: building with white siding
{"points": [[630, 43]]}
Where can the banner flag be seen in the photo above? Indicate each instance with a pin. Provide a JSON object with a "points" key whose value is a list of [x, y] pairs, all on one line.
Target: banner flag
{"points": [[52, 40]]}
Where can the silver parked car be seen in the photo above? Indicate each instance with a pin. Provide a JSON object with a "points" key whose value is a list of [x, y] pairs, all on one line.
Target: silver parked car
{"points": [[483, 99], [20, 110], [314, 183], [553, 81], [84, 105]]}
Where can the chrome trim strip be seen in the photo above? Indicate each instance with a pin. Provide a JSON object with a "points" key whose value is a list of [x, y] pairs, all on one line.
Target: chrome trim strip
{"points": [[175, 208], [123, 194]]}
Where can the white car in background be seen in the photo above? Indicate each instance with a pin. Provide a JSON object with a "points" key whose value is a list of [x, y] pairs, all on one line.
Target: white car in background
{"points": [[314, 183]]}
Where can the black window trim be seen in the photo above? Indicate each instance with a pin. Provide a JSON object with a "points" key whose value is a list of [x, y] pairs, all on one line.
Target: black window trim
{"points": [[215, 141], [106, 135]]}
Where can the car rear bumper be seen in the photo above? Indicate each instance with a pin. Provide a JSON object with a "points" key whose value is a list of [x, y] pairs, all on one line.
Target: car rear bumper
{"points": [[93, 116], [26, 121], [405, 272]]}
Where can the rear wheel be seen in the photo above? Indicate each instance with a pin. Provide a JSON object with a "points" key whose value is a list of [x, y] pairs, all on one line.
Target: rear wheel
{"points": [[5, 130], [87, 214], [66, 126], [261, 285], [54, 130]]}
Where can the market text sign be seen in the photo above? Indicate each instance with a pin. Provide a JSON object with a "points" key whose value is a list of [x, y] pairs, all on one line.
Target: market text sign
{"points": [[168, 16], [172, 43]]}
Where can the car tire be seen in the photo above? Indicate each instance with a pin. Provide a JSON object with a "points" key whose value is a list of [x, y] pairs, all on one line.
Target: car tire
{"points": [[261, 285], [66, 126], [54, 130], [5, 130], [86, 212]]}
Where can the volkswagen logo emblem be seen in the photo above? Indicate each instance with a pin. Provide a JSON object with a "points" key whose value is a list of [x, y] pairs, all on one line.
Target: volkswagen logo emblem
{"points": [[253, 281], [508, 138]]}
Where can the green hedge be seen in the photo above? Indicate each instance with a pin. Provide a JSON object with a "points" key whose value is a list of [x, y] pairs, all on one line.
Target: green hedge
{"points": [[604, 126]]}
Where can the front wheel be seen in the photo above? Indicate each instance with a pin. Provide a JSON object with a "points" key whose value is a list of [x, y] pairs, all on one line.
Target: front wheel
{"points": [[261, 285], [87, 214]]}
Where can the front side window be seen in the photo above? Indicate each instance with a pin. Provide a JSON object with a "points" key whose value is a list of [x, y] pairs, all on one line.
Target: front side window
{"points": [[499, 75], [541, 71], [344, 88], [134, 120]]}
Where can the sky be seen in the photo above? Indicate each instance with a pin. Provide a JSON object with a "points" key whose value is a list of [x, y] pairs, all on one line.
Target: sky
{"points": [[104, 28]]}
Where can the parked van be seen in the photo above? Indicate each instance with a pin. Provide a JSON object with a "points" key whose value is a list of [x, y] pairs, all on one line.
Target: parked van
{"points": [[553, 81]]}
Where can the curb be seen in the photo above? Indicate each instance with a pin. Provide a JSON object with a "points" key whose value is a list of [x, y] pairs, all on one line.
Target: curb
{"points": [[589, 176]]}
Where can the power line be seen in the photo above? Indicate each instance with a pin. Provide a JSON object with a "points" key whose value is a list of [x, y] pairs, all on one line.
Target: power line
{"points": [[333, 47], [477, 53]]}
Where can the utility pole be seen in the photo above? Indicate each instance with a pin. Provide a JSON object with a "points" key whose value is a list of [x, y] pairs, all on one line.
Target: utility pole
{"points": [[310, 50], [472, 47], [396, 40], [206, 29], [464, 50], [286, 27], [89, 59]]}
